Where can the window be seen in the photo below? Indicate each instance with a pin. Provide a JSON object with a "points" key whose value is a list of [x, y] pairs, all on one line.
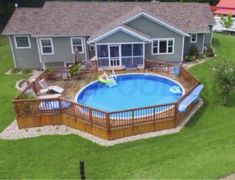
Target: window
{"points": [[76, 44], [46, 45], [170, 46], [155, 47], [193, 38], [22, 42], [163, 46]]}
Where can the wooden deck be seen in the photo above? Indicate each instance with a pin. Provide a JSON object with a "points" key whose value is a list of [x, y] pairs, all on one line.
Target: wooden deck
{"points": [[108, 125]]}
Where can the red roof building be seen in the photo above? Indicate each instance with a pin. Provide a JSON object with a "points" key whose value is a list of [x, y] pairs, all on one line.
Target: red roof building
{"points": [[225, 7]]}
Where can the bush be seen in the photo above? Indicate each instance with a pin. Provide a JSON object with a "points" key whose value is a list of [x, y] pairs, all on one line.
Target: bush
{"points": [[49, 70], [194, 51], [224, 75], [15, 70], [26, 71], [190, 58], [27, 96], [209, 51], [75, 69]]}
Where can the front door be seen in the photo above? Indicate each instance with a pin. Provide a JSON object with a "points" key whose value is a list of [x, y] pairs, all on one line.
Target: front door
{"points": [[114, 55]]}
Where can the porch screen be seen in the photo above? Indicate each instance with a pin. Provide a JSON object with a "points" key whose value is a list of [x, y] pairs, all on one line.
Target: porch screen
{"points": [[103, 55], [132, 54]]}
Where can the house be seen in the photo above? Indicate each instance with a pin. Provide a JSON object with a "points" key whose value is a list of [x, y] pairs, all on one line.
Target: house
{"points": [[116, 34], [224, 8]]}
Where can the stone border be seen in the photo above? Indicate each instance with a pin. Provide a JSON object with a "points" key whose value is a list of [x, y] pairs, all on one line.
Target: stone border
{"points": [[12, 132]]}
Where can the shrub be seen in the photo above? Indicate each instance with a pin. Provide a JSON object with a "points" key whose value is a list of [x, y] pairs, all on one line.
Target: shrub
{"points": [[26, 71], [209, 51], [224, 75], [194, 51], [15, 70], [27, 96], [190, 58], [49, 70], [75, 69]]}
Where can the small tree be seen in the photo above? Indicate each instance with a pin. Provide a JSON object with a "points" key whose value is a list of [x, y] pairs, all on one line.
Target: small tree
{"points": [[226, 21], [224, 74]]}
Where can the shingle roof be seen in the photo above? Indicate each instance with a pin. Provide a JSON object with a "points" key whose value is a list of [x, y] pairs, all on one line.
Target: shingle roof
{"points": [[87, 18]]}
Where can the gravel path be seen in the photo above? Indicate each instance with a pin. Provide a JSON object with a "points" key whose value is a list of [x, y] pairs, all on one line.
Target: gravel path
{"points": [[230, 177], [12, 132]]}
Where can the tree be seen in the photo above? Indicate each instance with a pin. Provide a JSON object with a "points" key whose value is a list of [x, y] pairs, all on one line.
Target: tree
{"points": [[224, 74], [226, 21]]}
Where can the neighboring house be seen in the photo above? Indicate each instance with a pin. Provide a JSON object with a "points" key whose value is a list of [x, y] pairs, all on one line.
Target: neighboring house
{"points": [[224, 8], [114, 33]]}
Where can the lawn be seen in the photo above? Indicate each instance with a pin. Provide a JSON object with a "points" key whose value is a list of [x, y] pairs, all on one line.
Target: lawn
{"points": [[204, 149]]}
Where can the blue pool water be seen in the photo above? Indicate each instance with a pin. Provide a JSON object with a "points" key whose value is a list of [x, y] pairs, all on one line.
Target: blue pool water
{"points": [[132, 91]]}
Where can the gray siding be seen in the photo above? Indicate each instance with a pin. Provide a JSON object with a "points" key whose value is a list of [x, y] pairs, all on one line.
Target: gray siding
{"points": [[157, 31], [62, 51], [208, 38], [26, 58], [119, 37], [198, 44], [54, 64]]}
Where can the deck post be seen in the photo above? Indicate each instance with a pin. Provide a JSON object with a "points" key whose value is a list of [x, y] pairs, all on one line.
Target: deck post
{"points": [[154, 116], [74, 113], [90, 117], [107, 118], [176, 114], [132, 121]]}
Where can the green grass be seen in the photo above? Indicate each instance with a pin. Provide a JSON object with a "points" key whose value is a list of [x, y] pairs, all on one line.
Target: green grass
{"points": [[204, 149]]}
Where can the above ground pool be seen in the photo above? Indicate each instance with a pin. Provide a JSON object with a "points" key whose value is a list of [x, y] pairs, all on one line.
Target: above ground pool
{"points": [[131, 91]]}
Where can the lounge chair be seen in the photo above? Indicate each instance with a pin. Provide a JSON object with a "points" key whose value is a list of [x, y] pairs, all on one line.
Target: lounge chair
{"points": [[46, 88], [193, 97]]}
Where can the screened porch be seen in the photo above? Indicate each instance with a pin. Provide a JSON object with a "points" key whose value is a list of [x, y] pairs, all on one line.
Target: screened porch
{"points": [[120, 55]]}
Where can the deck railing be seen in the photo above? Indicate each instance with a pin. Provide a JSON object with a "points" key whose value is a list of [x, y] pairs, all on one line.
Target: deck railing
{"points": [[107, 125]]}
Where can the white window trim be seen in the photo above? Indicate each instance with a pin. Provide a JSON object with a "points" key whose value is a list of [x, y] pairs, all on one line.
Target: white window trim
{"points": [[165, 39], [52, 46], [16, 46], [71, 43], [191, 41]]}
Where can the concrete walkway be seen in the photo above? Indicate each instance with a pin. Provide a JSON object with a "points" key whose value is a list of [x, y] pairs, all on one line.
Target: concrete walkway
{"points": [[188, 65]]}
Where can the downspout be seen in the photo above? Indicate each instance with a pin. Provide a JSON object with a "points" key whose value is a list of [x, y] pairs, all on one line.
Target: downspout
{"points": [[12, 51]]}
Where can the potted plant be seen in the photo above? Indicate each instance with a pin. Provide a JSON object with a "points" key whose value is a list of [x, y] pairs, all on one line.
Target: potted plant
{"points": [[75, 70]]}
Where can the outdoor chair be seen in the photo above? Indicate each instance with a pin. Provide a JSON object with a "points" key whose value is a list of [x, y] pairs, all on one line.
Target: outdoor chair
{"points": [[46, 88]]}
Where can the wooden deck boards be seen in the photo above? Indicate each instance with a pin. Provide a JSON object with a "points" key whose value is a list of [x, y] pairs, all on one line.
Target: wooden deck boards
{"points": [[73, 86]]}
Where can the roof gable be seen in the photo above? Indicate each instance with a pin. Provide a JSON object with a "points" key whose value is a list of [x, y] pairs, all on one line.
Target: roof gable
{"points": [[124, 29], [156, 20]]}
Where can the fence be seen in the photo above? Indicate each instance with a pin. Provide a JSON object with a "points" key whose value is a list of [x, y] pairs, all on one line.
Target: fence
{"points": [[107, 125]]}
